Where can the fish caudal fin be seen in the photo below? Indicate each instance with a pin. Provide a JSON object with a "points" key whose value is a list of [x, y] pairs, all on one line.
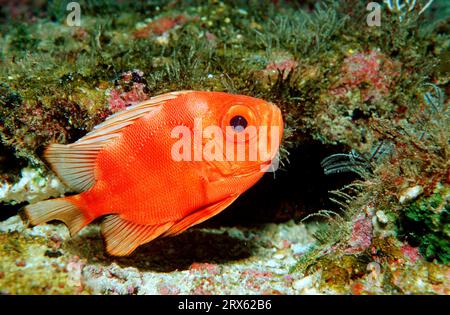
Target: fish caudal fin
{"points": [[59, 209], [122, 237]]}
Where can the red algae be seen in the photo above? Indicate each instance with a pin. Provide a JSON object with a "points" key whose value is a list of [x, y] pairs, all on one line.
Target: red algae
{"points": [[283, 66], [371, 72], [130, 89], [205, 267], [160, 26], [412, 253], [361, 237]]}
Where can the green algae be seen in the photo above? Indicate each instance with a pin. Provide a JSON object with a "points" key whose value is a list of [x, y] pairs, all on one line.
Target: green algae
{"points": [[426, 223], [23, 272]]}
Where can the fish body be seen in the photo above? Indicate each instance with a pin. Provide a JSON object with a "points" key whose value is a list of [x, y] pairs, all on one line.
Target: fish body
{"points": [[125, 169]]}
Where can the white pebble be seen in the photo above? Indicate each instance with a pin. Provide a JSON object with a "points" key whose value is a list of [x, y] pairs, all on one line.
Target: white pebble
{"points": [[382, 217], [303, 283], [410, 194], [272, 263], [299, 249]]}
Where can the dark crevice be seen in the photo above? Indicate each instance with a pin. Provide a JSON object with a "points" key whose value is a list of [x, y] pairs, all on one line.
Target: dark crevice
{"points": [[7, 211], [10, 165], [298, 190]]}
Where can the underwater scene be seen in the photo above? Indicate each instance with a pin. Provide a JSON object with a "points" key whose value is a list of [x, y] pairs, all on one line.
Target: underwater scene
{"points": [[193, 147]]}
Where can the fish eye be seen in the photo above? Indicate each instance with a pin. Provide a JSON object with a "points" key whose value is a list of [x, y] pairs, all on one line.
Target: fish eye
{"points": [[239, 123], [237, 120]]}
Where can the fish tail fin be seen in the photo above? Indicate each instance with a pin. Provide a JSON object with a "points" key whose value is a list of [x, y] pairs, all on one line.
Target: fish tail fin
{"points": [[60, 209]]}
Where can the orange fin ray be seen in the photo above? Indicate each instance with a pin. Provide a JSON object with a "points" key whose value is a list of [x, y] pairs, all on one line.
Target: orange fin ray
{"points": [[59, 209], [122, 237], [74, 163], [199, 216]]}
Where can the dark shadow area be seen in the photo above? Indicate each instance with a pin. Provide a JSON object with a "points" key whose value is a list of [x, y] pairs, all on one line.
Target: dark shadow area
{"points": [[168, 254], [10, 165], [297, 189], [7, 211]]}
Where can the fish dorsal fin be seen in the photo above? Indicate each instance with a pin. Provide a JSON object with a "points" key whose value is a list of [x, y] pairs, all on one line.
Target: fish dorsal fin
{"points": [[114, 123], [199, 216], [122, 237], [74, 163]]}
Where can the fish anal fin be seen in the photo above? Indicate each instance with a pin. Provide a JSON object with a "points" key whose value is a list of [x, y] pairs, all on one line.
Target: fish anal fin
{"points": [[200, 215], [122, 237], [59, 209], [74, 163]]}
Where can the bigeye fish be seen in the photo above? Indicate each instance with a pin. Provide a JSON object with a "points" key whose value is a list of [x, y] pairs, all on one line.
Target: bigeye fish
{"points": [[137, 172]]}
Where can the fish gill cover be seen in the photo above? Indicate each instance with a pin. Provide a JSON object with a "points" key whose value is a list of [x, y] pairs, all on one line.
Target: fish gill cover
{"points": [[360, 204]]}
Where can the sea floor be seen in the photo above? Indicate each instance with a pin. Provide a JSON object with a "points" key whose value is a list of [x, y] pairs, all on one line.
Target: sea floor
{"points": [[227, 260]]}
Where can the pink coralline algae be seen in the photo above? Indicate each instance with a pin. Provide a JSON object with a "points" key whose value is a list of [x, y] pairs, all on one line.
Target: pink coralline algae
{"points": [[75, 271], [168, 289], [372, 73], [205, 267], [210, 37], [361, 237], [281, 64], [284, 66], [412, 253], [160, 26], [116, 103], [129, 92]]}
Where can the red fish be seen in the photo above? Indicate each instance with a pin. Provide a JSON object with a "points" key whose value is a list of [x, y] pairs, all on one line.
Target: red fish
{"points": [[136, 169]]}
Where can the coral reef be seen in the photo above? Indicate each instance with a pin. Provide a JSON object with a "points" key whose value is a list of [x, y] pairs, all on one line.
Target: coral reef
{"points": [[371, 102], [202, 261]]}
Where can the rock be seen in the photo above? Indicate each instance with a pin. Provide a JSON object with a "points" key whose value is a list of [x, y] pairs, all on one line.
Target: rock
{"points": [[34, 185], [278, 256], [410, 194], [303, 283], [272, 263], [299, 249], [382, 218]]}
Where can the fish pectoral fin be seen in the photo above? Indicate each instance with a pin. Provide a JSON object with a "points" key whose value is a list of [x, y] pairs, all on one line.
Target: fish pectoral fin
{"points": [[200, 215], [122, 237], [74, 163], [59, 209]]}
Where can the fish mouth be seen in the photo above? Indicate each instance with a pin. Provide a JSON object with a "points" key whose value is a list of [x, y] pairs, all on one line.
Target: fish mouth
{"points": [[276, 121], [266, 166], [277, 118]]}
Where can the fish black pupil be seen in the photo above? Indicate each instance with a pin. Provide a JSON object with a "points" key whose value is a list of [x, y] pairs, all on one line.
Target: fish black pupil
{"points": [[238, 123]]}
